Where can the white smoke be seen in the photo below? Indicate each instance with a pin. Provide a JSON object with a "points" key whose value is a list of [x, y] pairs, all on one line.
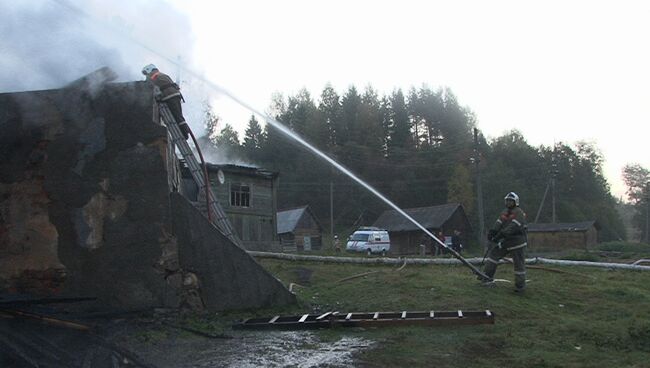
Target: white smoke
{"points": [[220, 155], [47, 44]]}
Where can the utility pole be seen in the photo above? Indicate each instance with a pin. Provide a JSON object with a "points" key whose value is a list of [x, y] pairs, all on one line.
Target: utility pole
{"points": [[479, 190], [332, 205], [332, 209], [553, 176], [647, 211], [541, 204]]}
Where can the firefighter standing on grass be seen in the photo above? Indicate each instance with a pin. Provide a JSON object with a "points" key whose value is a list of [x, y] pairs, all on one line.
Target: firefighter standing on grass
{"points": [[170, 93], [508, 236]]}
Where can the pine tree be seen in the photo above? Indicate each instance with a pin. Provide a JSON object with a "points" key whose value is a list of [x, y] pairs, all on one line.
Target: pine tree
{"points": [[329, 110], [637, 180], [228, 138], [210, 122], [253, 140], [460, 188], [399, 129], [349, 126]]}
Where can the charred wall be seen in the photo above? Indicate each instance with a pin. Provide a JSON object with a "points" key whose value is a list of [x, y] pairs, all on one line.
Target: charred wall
{"points": [[216, 268], [85, 209], [84, 203]]}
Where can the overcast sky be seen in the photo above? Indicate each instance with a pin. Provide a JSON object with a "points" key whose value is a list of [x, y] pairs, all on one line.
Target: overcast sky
{"points": [[556, 70]]}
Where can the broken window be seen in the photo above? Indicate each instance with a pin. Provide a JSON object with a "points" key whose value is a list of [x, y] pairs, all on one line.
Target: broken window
{"points": [[240, 195]]}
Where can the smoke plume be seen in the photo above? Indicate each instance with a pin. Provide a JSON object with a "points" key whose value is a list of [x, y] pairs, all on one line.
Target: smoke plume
{"points": [[48, 43]]}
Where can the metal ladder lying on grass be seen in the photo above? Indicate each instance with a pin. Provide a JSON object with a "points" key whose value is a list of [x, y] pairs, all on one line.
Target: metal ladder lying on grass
{"points": [[376, 319], [216, 215]]}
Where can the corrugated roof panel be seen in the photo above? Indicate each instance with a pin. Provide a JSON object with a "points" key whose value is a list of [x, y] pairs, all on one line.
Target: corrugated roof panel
{"points": [[287, 220]]}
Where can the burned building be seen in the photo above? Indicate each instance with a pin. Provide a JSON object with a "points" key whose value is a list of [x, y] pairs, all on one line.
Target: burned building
{"points": [[248, 196], [88, 206]]}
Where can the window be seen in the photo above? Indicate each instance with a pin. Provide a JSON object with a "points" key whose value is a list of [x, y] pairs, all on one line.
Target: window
{"points": [[360, 237], [240, 195]]}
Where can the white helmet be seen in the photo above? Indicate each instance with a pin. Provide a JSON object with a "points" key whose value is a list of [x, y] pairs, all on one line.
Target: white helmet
{"points": [[513, 196], [148, 69]]}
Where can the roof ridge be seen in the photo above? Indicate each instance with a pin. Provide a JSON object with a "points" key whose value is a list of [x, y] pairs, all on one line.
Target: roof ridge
{"points": [[434, 206], [293, 208]]}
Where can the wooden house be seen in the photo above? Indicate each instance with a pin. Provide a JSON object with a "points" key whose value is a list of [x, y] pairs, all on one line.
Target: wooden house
{"points": [[576, 235], [248, 196], [406, 237], [299, 230]]}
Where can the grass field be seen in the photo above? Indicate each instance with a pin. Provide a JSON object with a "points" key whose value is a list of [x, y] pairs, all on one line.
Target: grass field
{"points": [[589, 318], [584, 317]]}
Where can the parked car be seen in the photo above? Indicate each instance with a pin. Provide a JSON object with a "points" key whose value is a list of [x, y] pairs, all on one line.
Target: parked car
{"points": [[369, 240]]}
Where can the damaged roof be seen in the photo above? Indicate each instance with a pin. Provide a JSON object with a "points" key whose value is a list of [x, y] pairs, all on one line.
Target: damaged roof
{"points": [[233, 169], [433, 217], [240, 169]]}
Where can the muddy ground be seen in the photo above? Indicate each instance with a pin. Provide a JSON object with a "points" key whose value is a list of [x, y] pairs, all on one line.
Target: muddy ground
{"points": [[164, 346]]}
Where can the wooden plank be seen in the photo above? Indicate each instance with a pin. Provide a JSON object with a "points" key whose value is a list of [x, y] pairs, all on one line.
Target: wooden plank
{"points": [[32, 301], [45, 319]]}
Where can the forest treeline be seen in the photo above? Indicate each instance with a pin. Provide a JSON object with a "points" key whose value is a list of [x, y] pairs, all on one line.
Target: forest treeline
{"points": [[418, 148]]}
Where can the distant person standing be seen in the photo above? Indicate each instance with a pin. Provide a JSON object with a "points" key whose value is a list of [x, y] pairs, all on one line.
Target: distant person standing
{"points": [[170, 94], [439, 247], [427, 243], [337, 244], [455, 242], [508, 236]]}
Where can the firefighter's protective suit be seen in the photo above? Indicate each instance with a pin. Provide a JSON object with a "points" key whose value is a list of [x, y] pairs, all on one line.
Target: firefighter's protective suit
{"points": [[170, 94], [508, 236]]}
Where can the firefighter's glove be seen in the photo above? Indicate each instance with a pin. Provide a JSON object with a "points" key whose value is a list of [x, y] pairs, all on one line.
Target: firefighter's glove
{"points": [[491, 234], [185, 129], [498, 237], [157, 95]]}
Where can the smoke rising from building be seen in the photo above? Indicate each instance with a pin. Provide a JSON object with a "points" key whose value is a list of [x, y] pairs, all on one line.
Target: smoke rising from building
{"points": [[46, 44]]}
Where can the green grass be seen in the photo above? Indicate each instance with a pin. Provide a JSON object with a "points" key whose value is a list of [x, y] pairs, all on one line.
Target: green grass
{"points": [[592, 317], [587, 318], [625, 247], [625, 252]]}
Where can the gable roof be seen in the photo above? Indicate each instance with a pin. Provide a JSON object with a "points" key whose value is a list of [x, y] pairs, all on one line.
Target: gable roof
{"points": [[288, 219], [562, 227], [432, 217]]}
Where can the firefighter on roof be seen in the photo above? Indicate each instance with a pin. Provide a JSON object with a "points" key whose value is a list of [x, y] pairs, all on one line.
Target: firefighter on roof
{"points": [[170, 93]]}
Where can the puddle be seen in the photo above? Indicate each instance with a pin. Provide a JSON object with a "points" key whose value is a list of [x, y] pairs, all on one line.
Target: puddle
{"points": [[281, 349]]}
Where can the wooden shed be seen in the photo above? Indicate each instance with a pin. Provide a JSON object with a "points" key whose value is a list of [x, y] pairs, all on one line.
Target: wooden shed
{"points": [[299, 229], [576, 235], [406, 237]]}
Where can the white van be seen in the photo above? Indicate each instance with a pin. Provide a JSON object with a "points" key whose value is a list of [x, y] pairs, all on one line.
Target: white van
{"points": [[369, 240]]}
